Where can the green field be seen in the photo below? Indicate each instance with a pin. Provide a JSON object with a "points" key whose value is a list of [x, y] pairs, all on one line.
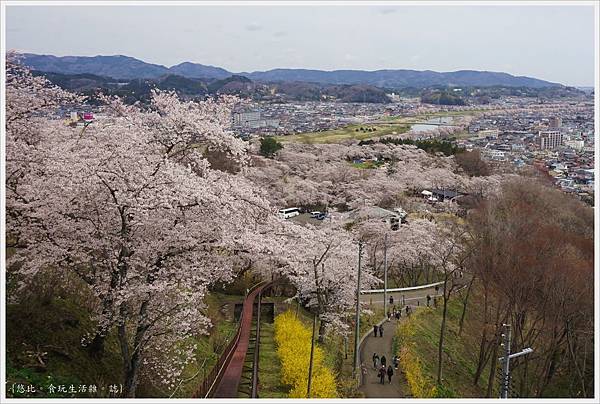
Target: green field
{"points": [[393, 125], [424, 117], [345, 133], [367, 165]]}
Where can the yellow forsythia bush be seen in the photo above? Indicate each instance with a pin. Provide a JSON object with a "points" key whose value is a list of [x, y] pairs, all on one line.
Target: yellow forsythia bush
{"points": [[420, 386], [293, 347]]}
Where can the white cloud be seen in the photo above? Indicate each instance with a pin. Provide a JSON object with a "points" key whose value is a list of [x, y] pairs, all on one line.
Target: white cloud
{"points": [[254, 26]]}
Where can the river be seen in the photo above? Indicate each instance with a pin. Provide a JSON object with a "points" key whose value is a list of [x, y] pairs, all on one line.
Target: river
{"points": [[430, 124]]}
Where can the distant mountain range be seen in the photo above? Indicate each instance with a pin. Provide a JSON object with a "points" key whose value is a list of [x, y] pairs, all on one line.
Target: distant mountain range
{"points": [[127, 68]]}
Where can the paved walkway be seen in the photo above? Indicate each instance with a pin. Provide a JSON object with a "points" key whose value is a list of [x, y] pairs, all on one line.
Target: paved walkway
{"points": [[370, 385]]}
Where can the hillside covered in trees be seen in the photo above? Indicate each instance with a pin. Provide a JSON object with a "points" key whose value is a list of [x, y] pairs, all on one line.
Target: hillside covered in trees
{"points": [[130, 240]]}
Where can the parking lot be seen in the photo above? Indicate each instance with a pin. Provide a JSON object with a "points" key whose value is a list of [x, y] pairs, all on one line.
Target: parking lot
{"points": [[305, 218]]}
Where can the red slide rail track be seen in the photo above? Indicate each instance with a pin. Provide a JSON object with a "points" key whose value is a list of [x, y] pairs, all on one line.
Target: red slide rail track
{"points": [[224, 378]]}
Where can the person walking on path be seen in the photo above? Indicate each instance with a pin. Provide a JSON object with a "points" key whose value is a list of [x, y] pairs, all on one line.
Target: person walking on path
{"points": [[428, 300], [381, 330], [383, 361], [395, 361], [391, 300], [390, 373], [375, 360], [375, 330], [382, 375]]}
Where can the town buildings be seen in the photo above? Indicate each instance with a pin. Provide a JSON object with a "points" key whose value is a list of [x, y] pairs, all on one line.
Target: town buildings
{"points": [[550, 139]]}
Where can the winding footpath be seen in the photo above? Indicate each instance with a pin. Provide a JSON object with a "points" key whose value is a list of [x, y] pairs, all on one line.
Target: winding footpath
{"points": [[370, 385]]}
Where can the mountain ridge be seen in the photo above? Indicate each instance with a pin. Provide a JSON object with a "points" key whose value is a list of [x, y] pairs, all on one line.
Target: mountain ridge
{"points": [[127, 67]]}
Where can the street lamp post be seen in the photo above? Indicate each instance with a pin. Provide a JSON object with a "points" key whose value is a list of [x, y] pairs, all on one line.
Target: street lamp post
{"points": [[506, 360]]}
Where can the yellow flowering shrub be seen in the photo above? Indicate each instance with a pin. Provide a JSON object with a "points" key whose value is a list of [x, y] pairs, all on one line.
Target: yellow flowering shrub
{"points": [[293, 347], [420, 385]]}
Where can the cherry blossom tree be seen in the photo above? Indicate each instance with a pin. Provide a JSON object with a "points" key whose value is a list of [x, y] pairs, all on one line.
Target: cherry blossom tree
{"points": [[322, 265], [133, 209], [28, 100], [410, 249]]}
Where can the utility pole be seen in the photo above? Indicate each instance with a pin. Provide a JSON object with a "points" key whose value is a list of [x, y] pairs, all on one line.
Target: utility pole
{"points": [[505, 361], [357, 321], [312, 352], [504, 389], [385, 275]]}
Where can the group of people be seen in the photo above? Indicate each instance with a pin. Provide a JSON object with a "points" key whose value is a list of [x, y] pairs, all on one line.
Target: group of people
{"points": [[378, 329], [397, 312], [380, 365]]}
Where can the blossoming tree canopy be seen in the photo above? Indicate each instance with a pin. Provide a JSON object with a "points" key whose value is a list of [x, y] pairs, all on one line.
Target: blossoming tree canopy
{"points": [[132, 208], [322, 266]]}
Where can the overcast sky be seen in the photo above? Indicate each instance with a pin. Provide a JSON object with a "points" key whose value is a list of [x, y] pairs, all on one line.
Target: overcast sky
{"points": [[554, 43]]}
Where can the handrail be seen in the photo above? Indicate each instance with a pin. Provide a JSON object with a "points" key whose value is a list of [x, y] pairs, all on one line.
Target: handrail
{"points": [[229, 382], [431, 285], [208, 383]]}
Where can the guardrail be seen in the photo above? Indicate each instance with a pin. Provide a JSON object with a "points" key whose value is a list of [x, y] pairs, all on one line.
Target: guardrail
{"points": [[431, 285], [207, 386]]}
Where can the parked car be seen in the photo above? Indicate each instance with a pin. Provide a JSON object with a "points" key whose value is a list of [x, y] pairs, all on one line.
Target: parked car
{"points": [[321, 216], [314, 214]]}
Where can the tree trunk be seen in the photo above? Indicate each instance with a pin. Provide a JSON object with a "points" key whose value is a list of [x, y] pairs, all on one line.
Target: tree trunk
{"points": [[441, 341], [96, 347], [493, 367], [575, 362], [321, 338], [124, 345], [524, 385], [464, 310], [132, 363], [482, 358], [481, 361]]}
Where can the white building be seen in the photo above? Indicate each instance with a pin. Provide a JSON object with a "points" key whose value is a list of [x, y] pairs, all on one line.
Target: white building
{"points": [[492, 133], [575, 144], [246, 118], [550, 139]]}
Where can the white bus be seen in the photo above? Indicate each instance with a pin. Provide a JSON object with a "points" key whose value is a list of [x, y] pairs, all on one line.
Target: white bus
{"points": [[287, 213]]}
